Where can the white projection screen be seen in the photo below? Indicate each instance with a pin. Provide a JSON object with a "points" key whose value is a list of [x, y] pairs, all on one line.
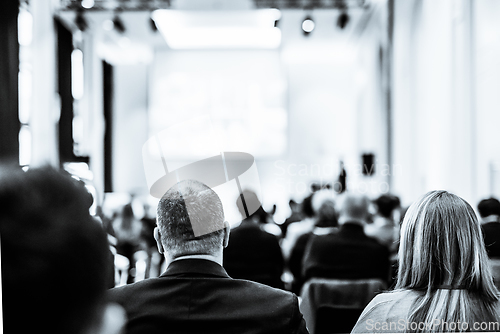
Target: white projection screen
{"points": [[243, 92]]}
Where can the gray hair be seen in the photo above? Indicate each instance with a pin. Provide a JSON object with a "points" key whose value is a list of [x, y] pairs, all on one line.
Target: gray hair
{"points": [[188, 206], [355, 206]]}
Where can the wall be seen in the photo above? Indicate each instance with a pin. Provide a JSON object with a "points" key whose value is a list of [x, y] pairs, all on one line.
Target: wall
{"points": [[446, 84], [130, 127], [434, 134], [487, 98], [334, 109]]}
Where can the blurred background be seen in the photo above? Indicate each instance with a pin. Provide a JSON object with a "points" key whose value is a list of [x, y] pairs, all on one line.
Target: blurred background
{"points": [[392, 96]]}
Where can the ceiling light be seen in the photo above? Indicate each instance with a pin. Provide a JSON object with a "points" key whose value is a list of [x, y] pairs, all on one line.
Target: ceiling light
{"points": [[219, 28], [87, 4], [25, 26], [308, 25]]}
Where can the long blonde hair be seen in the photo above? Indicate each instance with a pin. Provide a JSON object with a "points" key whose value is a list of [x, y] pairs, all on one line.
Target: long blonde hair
{"points": [[442, 255]]}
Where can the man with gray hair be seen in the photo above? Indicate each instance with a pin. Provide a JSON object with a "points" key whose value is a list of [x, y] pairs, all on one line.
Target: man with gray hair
{"points": [[349, 253], [195, 294]]}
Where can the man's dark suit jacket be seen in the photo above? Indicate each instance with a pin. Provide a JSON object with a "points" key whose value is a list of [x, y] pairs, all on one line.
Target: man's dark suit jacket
{"points": [[254, 255], [491, 235], [197, 296], [347, 254]]}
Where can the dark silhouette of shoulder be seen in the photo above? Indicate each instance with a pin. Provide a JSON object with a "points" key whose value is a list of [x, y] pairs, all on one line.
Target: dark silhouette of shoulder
{"points": [[491, 235], [348, 254], [197, 296]]}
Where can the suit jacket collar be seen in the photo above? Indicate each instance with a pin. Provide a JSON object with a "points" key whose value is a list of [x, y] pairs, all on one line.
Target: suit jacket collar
{"points": [[190, 267]]}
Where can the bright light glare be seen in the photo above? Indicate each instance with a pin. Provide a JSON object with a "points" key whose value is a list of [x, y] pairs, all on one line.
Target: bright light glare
{"points": [[24, 145], [25, 93], [223, 37], [88, 4], [25, 27], [77, 74], [219, 29], [308, 25]]}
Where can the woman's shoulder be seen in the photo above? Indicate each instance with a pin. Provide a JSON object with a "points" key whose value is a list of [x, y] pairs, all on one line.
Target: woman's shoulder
{"points": [[392, 297], [385, 310]]}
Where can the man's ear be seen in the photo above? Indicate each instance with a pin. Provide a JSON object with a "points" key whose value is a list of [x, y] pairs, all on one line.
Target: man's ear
{"points": [[227, 229], [157, 236]]}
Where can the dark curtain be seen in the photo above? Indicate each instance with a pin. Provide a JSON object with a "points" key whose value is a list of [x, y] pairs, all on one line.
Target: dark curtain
{"points": [[9, 69]]}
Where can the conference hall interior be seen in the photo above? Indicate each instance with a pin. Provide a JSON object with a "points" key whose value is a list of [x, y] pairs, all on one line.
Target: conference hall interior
{"points": [[285, 108]]}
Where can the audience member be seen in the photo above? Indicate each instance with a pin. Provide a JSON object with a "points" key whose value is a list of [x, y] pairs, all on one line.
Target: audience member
{"points": [[295, 230], [326, 223], [349, 253], [128, 230], [383, 227], [195, 294], [489, 210], [266, 221], [444, 281], [295, 216], [55, 265], [253, 253]]}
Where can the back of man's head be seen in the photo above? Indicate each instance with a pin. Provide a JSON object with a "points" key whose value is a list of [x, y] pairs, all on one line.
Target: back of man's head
{"points": [[386, 204], [55, 264], [489, 207], [187, 206], [354, 208]]}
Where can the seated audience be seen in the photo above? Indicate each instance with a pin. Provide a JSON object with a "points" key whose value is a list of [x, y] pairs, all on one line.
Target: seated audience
{"points": [[266, 221], [489, 210], [295, 216], [383, 227], [295, 230], [444, 282], [55, 265], [348, 254], [195, 294], [128, 230], [326, 223], [253, 253]]}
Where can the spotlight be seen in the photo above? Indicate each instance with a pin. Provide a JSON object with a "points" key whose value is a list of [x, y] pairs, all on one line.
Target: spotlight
{"points": [[308, 25], [80, 21], [118, 24], [342, 20], [88, 4]]}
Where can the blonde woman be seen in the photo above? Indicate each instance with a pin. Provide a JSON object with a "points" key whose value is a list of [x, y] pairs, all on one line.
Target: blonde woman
{"points": [[444, 282]]}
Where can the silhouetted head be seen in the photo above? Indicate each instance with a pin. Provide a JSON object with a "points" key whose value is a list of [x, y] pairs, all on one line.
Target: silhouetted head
{"points": [[190, 220], [55, 257], [250, 205], [386, 204], [489, 207], [327, 215], [307, 207]]}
